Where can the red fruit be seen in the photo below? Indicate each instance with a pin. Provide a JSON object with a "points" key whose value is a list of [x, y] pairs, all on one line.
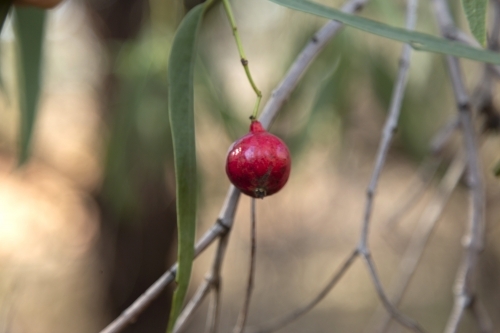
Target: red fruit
{"points": [[258, 164]]}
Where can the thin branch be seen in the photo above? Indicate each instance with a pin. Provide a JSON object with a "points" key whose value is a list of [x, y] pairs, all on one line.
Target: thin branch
{"points": [[483, 320], [242, 318], [211, 283], [393, 311], [222, 226], [418, 241], [494, 40], [388, 133], [214, 309], [281, 94], [465, 281], [390, 127], [414, 192], [457, 312], [362, 248], [425, 174], [279, 97], [280, 323], [216, 281], [193, 304], [452, 32], [444, 135]]}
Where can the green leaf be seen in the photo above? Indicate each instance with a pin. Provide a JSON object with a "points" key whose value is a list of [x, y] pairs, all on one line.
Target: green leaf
{"points": [[475, 11], [30, 24], [180, 105], [418, 40]]}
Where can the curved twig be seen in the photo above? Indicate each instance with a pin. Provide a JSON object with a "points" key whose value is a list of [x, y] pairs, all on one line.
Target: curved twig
{"points": [[242, 318], [222, 226], [390, 127], [280, 323], [465, 280], [418, 241]]}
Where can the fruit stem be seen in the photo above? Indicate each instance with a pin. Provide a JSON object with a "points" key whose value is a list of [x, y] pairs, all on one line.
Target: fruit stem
{"points": [[256, 108], [244, 60], [242, 318]]}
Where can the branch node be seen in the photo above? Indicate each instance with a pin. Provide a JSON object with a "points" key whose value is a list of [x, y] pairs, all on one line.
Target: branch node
{"points": [[225, 228]]}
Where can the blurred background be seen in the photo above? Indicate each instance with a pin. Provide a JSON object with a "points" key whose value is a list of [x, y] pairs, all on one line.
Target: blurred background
{"points": [[89, 223]]}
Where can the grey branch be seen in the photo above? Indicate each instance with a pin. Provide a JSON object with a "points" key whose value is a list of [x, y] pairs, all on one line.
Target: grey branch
{"points": [[223, 224], [444, 134], [465, 280], [281, 94], [211, 283], [482, 317], [216, 281], [390, 127], [425, 174], [193, 304], [393, 311], [418, 241], [277, 324]]}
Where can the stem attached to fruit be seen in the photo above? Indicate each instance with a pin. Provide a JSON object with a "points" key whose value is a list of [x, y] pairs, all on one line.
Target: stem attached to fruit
{"points": [[242, 318], [244, 60]]}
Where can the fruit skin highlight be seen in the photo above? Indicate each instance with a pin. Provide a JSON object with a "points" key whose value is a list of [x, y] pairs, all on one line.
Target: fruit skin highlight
{"points": [[258, 163]]}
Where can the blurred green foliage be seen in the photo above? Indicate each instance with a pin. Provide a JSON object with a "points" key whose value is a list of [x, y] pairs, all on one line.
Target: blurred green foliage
{"points": [[30, 31], [139, 136]]}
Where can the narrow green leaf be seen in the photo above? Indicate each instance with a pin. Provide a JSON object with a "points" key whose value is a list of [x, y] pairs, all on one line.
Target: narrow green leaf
{"points": [[30, 24], [180, 105], [418, 40], [475, 11]]}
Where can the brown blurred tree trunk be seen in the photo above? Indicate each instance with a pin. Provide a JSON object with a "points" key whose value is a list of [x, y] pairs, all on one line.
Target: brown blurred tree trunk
{"points": [[135, 245]]}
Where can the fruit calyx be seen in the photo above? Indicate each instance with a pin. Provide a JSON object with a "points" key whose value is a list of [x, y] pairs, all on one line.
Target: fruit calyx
{"points": [[256, 127]]}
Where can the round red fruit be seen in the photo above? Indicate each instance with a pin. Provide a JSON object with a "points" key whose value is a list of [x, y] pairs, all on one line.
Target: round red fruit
{"points": [[258, 164]]}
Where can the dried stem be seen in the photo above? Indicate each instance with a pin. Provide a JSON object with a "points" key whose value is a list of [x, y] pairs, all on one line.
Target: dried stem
{"points": [[465, 280], [418, 241], [278, 324], [242, 318]]}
